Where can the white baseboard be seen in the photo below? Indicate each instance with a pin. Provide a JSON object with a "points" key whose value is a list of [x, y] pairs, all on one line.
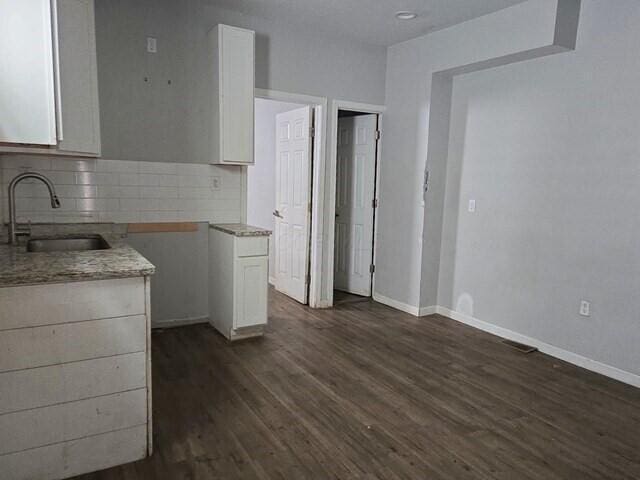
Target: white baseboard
{"points": [[424, 311], [570, 357], [180, 322], [413, 310]]}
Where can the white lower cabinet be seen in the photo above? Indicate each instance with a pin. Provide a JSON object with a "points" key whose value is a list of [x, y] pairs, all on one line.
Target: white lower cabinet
{"points": [[238, 283], [75, 382]]}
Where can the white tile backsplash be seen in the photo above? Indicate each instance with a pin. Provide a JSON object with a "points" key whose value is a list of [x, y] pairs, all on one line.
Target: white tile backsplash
{"points": [[123, 191]]}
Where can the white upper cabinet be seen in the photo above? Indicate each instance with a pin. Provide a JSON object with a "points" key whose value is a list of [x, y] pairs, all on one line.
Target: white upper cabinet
{"points": [[79, 119], [49, 93], [27, 92], [233, 51]]}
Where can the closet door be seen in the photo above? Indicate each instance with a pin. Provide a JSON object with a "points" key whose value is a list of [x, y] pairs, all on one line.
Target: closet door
{"points": [[27, 94]]}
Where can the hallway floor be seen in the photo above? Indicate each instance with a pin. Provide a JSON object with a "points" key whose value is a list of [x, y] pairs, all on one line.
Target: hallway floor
{"points": [[364, 391]]}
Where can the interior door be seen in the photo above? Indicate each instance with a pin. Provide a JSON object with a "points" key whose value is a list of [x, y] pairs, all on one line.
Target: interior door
{"points": [[293, 201], [355, 193]]}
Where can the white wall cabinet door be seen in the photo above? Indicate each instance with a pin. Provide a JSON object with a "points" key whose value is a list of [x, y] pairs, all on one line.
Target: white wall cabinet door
{"points": [[233, 109], [355, 187], [293, 213], [252, 281], [79, 116], [27, 93]]}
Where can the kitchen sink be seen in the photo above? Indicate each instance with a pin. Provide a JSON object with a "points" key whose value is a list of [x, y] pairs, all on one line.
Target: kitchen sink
{"points": [[67, 244]]}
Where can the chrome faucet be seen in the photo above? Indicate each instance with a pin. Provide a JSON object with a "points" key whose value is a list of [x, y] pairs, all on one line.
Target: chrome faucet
{"points": [[55, 202]]}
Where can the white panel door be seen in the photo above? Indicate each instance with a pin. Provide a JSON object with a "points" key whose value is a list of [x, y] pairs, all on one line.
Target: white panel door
{"points": [[293, 215], [355, 190], [27, 95]]}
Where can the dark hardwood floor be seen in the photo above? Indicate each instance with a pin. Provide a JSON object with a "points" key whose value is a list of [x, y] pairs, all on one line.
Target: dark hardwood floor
{"points": [[366, 392]]}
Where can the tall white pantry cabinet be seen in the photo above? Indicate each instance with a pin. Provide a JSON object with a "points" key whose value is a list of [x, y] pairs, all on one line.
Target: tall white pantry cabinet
{"points": [[233, 82], [49, 99]]}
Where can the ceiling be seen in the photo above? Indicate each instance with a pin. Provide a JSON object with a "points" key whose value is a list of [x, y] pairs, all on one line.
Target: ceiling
{"points": [[368, 21]]}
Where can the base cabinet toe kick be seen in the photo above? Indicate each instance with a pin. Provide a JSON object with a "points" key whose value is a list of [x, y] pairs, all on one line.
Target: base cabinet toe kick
{"points": [[75, 377], [238, 281]]}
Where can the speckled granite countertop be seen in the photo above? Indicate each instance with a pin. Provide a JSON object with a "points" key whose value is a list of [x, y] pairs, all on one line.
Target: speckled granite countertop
{"points": [[19, 267], [241, 230]]}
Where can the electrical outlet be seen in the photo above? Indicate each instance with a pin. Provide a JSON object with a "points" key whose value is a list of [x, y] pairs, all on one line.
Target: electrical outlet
{"points": [[216, 183], [585, 308], [152, 45], [472, 206]]}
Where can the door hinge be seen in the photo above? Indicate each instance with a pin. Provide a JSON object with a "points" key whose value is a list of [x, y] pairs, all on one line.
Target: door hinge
{"points": [[372, 268], [374, 203], [310, 208], [378, 134], [308, 279], [312, 132]]}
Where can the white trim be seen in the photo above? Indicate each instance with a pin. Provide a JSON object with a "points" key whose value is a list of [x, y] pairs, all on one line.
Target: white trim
{"points": [[317, 189], [180, 322], [411, 309], [330, 215], [426, 311], [570, 357]]}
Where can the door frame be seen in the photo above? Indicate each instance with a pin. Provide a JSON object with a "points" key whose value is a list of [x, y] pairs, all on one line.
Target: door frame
{"points": [[337, 105], [318, 162]]}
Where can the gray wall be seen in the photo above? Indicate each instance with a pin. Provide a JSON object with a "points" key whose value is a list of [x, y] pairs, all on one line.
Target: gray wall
{"points": [[157, 121], [549, 149], [261, 177]]}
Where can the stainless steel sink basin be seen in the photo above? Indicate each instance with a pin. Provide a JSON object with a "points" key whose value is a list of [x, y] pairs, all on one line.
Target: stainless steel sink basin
{"points": [[67, 244]]}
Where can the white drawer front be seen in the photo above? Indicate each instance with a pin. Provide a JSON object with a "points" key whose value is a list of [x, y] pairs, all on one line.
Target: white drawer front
{"points": [[55, 344], [50, 304], [39, 387], [63, 460], [70, 421], [252, 246]]}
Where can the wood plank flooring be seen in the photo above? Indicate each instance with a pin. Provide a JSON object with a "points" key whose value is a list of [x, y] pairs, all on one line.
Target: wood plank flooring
{"points": [[363, 391]]}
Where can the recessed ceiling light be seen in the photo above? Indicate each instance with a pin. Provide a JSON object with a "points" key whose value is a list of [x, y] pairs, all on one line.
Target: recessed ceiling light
{"points": [[405, 15]]}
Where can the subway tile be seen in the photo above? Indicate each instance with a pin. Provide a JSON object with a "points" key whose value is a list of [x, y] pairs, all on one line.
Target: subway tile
{"points": [[158, 192], [158, 168], [85, 178], [129, 179], [73, 165], [107, 178], [193, 181], [118, 166], [168, 180], [77, 191], [26, 162]]}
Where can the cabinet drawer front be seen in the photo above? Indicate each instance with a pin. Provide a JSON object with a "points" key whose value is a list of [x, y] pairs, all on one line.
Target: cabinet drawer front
{"points": [[67, 459], [252, 246], [51, 304], [69, 421], [39, 387], [71, 342]]}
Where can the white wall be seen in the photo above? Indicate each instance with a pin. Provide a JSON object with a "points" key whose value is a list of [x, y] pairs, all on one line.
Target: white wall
{"points": [[550, 150], [415, 130], [261, 177]]}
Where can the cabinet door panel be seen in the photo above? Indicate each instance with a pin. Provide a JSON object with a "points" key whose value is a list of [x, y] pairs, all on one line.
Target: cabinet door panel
{"points": [[237, 94], [251, 283], [27, 98], [78, 77]]}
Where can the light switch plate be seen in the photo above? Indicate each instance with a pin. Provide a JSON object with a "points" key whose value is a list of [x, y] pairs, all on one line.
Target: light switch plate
{"points": [[152, 45], [472, 206]]}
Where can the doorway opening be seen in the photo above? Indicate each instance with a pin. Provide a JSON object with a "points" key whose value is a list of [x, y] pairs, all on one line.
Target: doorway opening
{"points": [[279, 190], [357, 151]]}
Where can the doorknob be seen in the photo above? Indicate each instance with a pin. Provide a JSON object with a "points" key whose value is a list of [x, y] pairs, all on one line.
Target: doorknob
{"points": [[276, 213]]}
